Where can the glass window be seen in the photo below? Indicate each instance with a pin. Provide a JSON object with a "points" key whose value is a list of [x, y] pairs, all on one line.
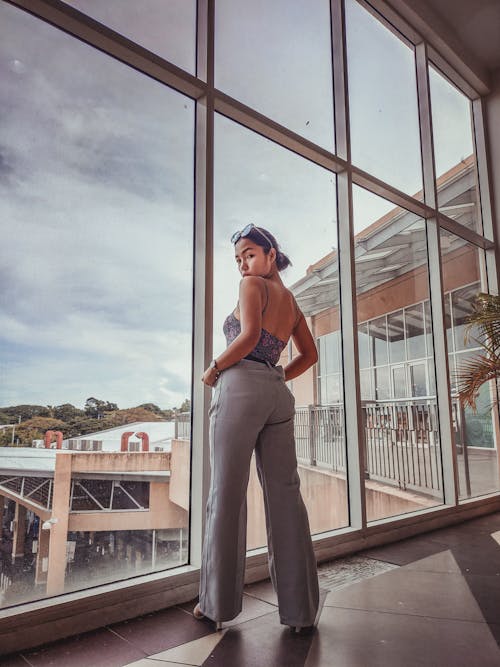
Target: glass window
{"points": [[382, 385], [476, 430], [258, 181], [365, 377], [165, 27], [276, 57], [418, 379], [96, 326], [378, 333], [462, 308], [396, 331], [456, 166], [383, 107], [392, 278], [363, 346], [399, 384], [415, 331]]}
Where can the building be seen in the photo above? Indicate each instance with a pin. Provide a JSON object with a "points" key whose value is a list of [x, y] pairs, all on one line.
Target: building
{"points": [[367, 132]]}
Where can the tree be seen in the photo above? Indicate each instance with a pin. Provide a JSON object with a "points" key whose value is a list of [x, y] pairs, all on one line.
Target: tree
{"points": [[186, 406], [66, 412], [94, 407], [25, 412], [35, 429], [484, 365], [152, 407]]}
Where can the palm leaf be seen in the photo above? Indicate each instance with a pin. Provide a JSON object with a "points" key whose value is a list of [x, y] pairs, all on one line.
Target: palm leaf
{"points": [[474, 371], [485, 318]]}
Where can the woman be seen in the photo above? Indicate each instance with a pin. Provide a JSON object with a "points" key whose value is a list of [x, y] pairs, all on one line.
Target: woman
{"points": [[252, 409]]}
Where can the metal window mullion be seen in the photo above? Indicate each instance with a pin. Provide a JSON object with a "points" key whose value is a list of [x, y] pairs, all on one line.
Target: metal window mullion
{"points": [[203, 279], [448, 445], [485, 192], [353, 417]]}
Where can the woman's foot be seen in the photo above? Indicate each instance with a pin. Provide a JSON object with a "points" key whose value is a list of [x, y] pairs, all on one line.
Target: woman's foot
{"points": [[199, 615]]}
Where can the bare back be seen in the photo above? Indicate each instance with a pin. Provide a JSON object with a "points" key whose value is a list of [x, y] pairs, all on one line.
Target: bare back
{"points": [[280, 314]]}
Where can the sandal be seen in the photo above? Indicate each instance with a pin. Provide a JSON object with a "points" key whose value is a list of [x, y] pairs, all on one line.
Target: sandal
{"points": [[199, 615]]}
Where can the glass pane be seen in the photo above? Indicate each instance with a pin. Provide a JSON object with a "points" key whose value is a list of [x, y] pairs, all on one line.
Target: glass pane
{"points": [[403, 454], [378, 333], [462, 300], [276, 57], [363, 346], [396, 331], [415, 331], [365, 377], [258, 181], [399, 385], [418, 380], [383, 106], [456, 167], [382, 384], [165, 27], [95, 314], [477, 432]]}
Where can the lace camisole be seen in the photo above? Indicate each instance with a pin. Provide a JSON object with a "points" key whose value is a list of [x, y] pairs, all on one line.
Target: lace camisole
{"points": [[268, 348]]}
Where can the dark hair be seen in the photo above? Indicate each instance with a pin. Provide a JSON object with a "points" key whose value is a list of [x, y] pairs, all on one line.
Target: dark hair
{"points": [[282, 260]]}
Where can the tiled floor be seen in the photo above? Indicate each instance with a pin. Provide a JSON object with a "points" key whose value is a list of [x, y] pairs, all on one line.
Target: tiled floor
{"points": [[432, 600]]}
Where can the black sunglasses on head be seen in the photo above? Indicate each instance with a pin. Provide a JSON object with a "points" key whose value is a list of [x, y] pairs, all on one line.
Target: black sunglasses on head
{"points": [[246, 231]]}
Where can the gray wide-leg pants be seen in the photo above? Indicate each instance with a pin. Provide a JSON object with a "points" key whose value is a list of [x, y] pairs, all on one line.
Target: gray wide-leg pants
{"points": [[253, 409]]}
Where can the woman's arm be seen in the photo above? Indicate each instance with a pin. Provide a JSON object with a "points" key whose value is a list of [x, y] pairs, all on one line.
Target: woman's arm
{"points": [[251, 303], [308, 354]]}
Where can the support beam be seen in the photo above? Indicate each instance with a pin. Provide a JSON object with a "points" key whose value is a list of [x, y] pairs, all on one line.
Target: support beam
{"points": [[19, 532]]}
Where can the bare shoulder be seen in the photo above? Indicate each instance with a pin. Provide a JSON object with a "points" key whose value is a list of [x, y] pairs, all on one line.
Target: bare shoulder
{"points": [[252, 284]]}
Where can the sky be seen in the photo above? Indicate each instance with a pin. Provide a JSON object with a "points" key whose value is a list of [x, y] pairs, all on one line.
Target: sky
{"points": [[96, 181]]}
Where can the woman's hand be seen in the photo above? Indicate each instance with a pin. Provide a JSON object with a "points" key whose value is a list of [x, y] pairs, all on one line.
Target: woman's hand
{"points": [[210, 376], [306, 348]]}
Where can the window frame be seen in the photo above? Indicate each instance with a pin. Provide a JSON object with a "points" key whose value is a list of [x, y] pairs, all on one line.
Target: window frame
{"points": [[53, 618]]}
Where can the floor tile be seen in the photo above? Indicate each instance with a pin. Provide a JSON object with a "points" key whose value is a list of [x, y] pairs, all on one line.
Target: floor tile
{"points": [[486, 591], [495, 631], [101, 648], [477, 556], [192, 653], [356, 638], [403, 591], [163, 630], [406, 551], [13, 661], [262, 590], [261, 642], [443, 561], [252, 607], [147, 662]]}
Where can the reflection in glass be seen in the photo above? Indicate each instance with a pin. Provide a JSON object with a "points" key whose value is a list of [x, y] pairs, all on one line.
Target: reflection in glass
{"points": [[378, 332], [396, 330], [276, 57], [383, 106], [415, 331], [403, 455], [476, 433], [165, 27], [258, 181], [363, 346], [95, 322], [456, 166]]}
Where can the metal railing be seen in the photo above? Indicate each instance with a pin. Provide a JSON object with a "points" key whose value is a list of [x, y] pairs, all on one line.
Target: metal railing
{"points": [[182, 425], [401, 441]]}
